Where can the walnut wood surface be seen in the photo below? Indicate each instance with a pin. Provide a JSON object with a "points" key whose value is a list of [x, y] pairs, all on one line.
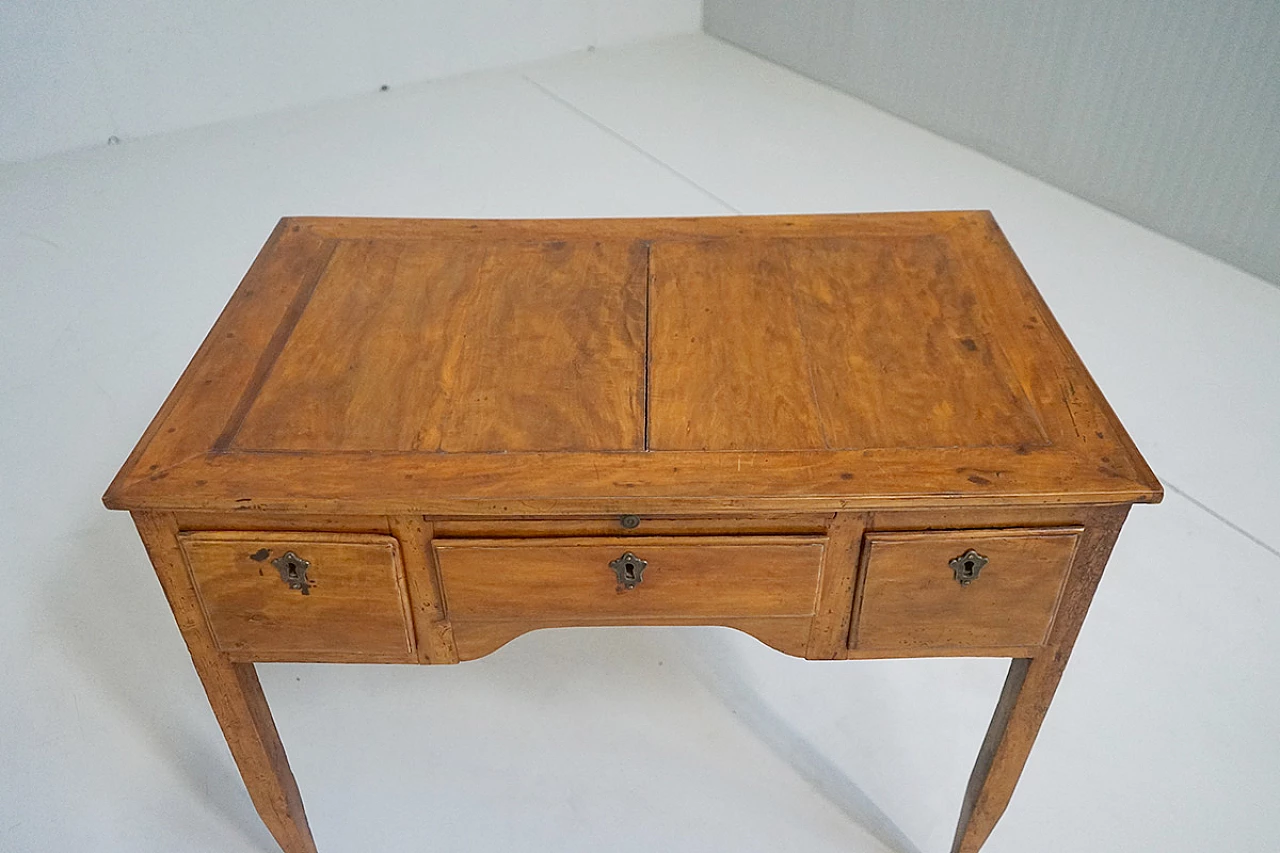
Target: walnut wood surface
{"points": [[910, 597], [801, 419], [827, 343], [787, 634], [683, 365], [647, 525], [356, 606], [835, 587], [693, 577], [658, 483], [445, 346], [435, 634]]}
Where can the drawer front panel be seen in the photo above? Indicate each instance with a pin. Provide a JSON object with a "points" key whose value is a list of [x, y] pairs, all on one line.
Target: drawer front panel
{"points": [[302, 596], [675, 577], [1003, 594]]}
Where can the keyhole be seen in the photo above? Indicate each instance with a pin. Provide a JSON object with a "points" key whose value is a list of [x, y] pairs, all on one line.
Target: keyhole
{"points": [[968, 566], [630, 571], [293, 570]]}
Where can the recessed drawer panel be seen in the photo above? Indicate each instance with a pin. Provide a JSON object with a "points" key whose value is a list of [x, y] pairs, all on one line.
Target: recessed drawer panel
{"points": [[631, 577], [302, 596], [960, 588]]}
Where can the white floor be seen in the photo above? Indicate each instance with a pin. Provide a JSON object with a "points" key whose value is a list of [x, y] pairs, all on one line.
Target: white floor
{"points": [[114, 262]]}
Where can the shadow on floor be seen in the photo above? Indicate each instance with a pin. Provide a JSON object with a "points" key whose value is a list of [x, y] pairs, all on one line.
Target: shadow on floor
{"points": [[713, 665], [113, 625]]}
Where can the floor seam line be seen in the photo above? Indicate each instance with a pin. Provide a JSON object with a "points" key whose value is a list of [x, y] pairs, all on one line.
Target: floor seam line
{"points": [[653, 158], [1261, 543]]}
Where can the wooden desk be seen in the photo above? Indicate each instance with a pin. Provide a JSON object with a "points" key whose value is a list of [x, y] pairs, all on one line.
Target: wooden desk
{"points": [[411, 441]]}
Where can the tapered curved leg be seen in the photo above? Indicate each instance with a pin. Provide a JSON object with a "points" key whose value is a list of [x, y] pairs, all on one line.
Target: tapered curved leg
{"points": [[1013, 729], [1029, 689], [234, 693]]}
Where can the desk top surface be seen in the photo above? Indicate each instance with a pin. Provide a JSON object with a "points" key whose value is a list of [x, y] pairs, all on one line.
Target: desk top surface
{"points": [[460, 367]]}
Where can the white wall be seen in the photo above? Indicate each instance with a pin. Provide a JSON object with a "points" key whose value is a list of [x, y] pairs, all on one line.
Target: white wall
{"points": [[75, 72], [1167, 113]]}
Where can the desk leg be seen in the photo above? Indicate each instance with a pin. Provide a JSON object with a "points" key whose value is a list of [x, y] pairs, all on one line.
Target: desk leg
{"points": [[234, 693], [1029, 689]]}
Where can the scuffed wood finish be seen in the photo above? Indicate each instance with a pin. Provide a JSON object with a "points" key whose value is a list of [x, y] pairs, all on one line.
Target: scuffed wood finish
{"points": [[654, 483], [435, 635], [786, 634], [250, 330], [191, 521], [1029, 689], [447, 347], [694, 577], [914, 223], [728, 368], [900, 519], [797, 421], [354, 608], [939, 651], [910, 597], [453, 368], [760, 523], [835, 588], [234, 694], [790, 344]]}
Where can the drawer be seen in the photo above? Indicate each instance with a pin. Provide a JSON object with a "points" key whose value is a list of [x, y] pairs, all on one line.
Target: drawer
{"points": [[302, 596], [913, 596], [638, 577]]}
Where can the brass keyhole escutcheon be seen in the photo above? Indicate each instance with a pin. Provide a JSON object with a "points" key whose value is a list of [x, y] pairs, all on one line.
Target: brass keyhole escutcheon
{"points": [[629, 570], [968, 566], [293, 571]]}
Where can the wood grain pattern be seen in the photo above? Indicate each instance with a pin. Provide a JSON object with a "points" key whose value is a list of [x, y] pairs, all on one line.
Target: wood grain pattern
{"points": [[825, 343], [355, 608], [786, 634], [660, 228], [463, 347], [193, 415], [1029, 689], [688, 577], [724, 525], [900, 519], [830, 363], [240, 520], [661, 483], [1072, 397], [936, 651], [234, 694], [435, 634], [827, 639], [909, 595], [728, 369]]}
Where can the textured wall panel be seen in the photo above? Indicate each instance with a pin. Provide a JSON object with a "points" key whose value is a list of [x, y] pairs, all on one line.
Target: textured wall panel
{"points": [[1166, 113]]}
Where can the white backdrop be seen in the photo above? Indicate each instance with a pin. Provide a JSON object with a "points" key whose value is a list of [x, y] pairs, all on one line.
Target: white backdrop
{"points": [[114, 263], [75, 72]]}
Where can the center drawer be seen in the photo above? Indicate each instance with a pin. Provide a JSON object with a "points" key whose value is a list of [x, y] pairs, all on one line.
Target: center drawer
{"points": [[631, 577]]}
